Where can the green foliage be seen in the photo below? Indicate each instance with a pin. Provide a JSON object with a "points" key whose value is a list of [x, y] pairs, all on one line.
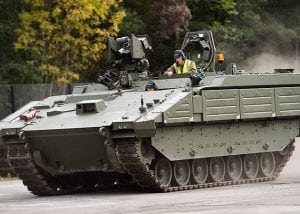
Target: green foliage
{"points": [[162, 21], [67, 37], [224, 6], [132, 24], [63, 40], [243, 28], [14, 72], [13, 65]]}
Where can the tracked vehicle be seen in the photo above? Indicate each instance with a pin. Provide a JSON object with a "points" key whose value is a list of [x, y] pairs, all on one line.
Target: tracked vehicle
{"points": [[166, 134]]}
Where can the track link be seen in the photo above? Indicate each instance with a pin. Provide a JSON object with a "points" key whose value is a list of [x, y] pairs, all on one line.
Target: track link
{"points": [[128, 152], [130, 156], [5, 169], [21, 160], [42, 184]]}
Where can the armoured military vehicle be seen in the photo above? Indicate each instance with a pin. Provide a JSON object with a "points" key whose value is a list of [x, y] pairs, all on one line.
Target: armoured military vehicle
{"points": [[210, 129]]}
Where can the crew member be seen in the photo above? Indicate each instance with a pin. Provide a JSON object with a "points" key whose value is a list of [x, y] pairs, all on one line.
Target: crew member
{"points": [[151, 86], [181, 65]]}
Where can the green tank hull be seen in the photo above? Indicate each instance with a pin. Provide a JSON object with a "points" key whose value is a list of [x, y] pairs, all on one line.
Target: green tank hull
{"points": [[225, 130]]}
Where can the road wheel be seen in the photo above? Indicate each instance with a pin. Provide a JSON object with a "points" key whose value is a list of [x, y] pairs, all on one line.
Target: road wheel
{"points": [[163, 171], [267, 164], [251, 166], [234, 167], [181, 172], [217, 169], [199, 169]]}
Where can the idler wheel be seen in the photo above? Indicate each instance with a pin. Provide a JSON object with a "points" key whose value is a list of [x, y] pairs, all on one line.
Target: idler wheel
{"points": [[217, 169], [251, 166], [285, 150], [163, 171], [234, 167], [267, 164], [199, 169], [181, 172]]}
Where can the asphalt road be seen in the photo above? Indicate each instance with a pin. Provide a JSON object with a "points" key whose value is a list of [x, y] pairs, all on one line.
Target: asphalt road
{"points": [[280, 196]]}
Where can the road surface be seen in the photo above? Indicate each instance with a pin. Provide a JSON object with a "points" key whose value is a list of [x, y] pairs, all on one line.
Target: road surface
{"points": [[280, 196]]}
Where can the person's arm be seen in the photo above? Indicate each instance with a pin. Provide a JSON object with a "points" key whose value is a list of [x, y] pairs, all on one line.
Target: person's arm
{"points": [[170, 71]]}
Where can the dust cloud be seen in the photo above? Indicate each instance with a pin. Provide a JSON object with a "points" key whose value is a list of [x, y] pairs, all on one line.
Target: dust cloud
{"points": [[267, 62]]}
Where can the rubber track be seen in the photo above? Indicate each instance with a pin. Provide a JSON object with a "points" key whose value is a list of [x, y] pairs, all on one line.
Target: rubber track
{"points": [[4, 165], [129, 154], [22, 162]]}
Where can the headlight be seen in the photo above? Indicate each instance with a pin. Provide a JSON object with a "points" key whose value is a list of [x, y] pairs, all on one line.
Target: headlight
{"points": [[125, 125], [9, 132]]}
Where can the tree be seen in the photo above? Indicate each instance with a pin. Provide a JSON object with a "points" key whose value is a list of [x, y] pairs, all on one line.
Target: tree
{"points": [[173, 16], [162, 21], [13, 66], [67, 37]]}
